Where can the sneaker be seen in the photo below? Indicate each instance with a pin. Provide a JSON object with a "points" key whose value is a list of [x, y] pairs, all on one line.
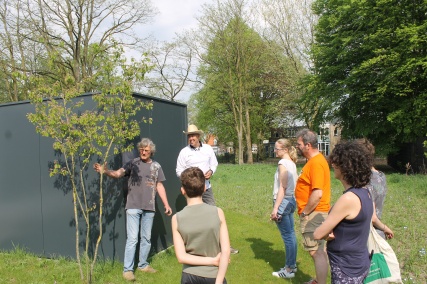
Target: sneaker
{"points": [[283, 273], [233, 250], [128, 275], [294, 270], [312, 281], [147, 269]]}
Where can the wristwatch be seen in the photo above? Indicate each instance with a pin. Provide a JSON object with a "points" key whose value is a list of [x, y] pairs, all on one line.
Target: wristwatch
{"points": [[303, 215]]}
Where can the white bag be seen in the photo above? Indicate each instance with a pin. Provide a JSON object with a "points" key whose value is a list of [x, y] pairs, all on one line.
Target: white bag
{"points": [[384, 265]]}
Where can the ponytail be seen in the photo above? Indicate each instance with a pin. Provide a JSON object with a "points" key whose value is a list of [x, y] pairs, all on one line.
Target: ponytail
{"points": [[291, 149], [293, 154]]}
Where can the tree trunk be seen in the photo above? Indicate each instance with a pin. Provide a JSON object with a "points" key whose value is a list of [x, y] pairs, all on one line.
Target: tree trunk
{"points": [[248, 134]]}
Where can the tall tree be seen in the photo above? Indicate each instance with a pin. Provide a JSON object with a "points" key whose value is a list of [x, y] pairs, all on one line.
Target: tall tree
{"points": [[75, 34], [290, 25], [68, 29], [370, 67], [224, 29], [242, 73], [18, 56], [173, 68]]}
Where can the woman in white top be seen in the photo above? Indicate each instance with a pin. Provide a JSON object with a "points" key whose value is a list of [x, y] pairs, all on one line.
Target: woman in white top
{"points": [[284, 202]]}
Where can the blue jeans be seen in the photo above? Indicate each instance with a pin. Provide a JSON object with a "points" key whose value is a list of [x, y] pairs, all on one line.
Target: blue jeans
{"points": [[137, 221], [287, 231]]}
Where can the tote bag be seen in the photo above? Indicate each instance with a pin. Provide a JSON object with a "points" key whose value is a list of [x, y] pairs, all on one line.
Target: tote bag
{"points": [[384, 264]]}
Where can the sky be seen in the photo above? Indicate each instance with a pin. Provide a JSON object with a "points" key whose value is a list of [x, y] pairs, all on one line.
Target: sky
{"points": [[174, 16]]}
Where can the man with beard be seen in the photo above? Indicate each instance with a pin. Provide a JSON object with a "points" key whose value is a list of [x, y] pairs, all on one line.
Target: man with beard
{"points": [[313, 195], [202, 156]]}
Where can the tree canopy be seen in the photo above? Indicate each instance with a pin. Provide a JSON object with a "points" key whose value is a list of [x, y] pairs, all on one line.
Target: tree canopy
{"points": [[72, 36], [370, 68]]}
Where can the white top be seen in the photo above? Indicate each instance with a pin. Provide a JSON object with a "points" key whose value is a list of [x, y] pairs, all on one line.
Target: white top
{"points": [[203, 157], [292, 178]]}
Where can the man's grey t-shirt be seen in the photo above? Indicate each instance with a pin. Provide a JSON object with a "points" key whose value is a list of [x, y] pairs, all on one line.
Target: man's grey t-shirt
{"points": [[142, 181]]}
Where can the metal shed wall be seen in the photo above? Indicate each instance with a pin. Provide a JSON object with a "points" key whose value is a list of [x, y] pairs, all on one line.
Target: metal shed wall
{"points": [[36, 210]]}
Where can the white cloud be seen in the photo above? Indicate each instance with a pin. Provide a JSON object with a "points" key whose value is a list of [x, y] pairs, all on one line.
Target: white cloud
{"points": [[174, 16]]}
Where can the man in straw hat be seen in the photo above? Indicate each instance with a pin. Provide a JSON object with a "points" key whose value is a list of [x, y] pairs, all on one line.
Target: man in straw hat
{"points": [[198, 154], [202, 156]]}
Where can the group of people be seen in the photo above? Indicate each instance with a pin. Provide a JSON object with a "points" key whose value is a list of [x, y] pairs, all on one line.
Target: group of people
{"points": [[200, 233], [336, 235]]}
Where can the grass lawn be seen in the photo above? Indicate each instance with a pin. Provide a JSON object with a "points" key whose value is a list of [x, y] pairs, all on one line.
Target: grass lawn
{"points": [[245, 192]]}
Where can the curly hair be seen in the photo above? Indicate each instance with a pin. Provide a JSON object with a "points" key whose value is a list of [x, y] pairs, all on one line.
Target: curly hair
{"points": [[193, 182], [354, 161], [146, 142]]}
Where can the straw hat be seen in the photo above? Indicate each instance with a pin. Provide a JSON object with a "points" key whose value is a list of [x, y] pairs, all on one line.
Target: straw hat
{"points": [[192, 129]]}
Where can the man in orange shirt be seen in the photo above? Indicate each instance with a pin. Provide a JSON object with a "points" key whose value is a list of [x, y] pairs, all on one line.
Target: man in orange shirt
{"points": [[313, 196]]}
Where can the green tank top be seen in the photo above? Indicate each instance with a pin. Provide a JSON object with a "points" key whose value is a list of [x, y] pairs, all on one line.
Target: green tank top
{"points": [[199, 227]]}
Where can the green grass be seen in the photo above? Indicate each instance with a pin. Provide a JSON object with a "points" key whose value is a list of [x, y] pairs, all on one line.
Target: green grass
{"points": [[245, 192]]}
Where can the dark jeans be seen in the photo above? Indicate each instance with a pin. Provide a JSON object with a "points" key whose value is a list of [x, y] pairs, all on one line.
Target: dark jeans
{"points": [[194, 279]]}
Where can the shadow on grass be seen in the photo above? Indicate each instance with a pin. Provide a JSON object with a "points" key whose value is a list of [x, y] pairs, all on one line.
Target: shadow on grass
{"points": [[275, 258]]}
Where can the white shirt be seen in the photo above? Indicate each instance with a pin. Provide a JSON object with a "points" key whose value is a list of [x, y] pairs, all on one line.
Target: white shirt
{"points": [[203, 157], [292, 178]]}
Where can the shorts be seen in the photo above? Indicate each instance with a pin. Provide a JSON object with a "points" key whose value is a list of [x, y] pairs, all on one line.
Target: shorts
{"points": [[339, 277], [307, 226]]}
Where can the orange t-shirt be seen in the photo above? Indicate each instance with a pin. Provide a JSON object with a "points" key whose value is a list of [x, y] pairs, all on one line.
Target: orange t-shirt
{"points": [[315, 174]]}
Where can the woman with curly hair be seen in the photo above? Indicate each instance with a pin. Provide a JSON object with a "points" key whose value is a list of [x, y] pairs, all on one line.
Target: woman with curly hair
{"points": [[347, 226]]}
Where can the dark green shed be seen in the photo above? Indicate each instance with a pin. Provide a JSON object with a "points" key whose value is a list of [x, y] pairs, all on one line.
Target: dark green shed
{"points": [[36, 210]]}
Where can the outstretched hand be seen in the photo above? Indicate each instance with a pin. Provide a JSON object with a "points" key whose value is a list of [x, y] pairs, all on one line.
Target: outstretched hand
{"points": [[100, 168]]}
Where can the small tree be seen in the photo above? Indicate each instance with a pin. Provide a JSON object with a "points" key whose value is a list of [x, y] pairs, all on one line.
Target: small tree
{"points": [[80, 133]]}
